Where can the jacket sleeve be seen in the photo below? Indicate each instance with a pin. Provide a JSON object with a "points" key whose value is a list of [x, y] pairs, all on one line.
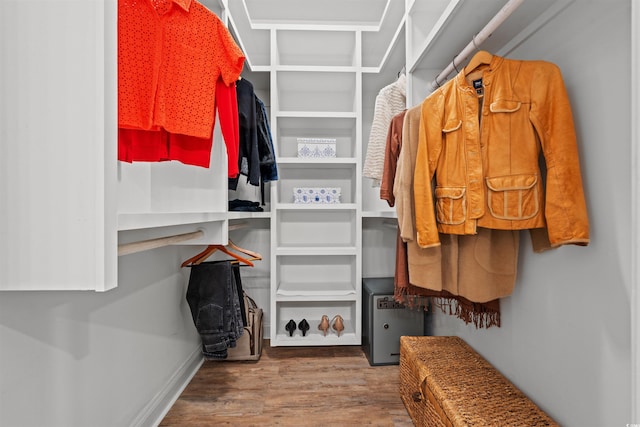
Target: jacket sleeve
{"points": [[391, 154], [402, 188], [374, 158], [429, 148], [403, 185], [565, 206]]}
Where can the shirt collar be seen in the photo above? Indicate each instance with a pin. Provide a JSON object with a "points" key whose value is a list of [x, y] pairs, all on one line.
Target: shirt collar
{"points": [[184, 4], [167, 6]]}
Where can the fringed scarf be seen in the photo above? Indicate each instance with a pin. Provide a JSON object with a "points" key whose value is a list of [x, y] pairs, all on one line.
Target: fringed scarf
{"points": [[482, 315]]}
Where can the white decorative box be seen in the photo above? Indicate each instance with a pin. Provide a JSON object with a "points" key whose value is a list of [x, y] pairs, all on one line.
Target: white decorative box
{"points": [[316, 147], [316, 195]]}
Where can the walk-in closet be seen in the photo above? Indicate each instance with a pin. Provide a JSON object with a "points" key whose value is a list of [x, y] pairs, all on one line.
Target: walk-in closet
{"points": [[202, 202]]}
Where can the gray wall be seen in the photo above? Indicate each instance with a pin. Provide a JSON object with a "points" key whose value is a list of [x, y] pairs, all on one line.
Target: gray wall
{"points": [[97, 359], [565, 335]]}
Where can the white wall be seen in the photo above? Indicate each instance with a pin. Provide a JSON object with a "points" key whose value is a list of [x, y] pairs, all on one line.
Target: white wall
{"points": [[98, 359], [565, 335]]}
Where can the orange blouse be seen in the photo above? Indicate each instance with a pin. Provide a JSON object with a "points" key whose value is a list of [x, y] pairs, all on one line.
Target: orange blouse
{"points": [[157, 146], [171, 53]]}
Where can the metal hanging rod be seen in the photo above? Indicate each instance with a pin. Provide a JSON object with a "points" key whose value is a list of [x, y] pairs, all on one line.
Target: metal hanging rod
{"points": [[477, 40]]}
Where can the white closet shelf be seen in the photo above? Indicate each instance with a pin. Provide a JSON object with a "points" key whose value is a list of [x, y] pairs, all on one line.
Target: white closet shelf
{"points": [[333, 289], [379, 214], [306, 13], [339, 161], [315, 297], [318, 68], [314, 338], [245, 215], [430, 53], [318, 114], [312, 311], [316, 250], [313, 25], [139, 221], [317, 206]]}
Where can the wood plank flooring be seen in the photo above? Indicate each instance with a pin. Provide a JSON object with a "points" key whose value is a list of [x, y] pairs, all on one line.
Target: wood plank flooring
{"points": [[295, 386]]}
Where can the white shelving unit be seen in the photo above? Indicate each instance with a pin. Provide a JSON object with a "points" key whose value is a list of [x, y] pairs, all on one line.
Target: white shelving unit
{"points": [[167, 198], [70, 202], [316, 256], [319, 62]]}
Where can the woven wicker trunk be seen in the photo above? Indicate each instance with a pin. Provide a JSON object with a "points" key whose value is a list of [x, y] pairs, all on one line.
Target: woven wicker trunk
{"points": [[444, 382]]}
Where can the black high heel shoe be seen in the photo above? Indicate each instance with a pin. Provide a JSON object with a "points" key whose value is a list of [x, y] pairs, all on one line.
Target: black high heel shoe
{"points": [[303, 326], [290, 327]]}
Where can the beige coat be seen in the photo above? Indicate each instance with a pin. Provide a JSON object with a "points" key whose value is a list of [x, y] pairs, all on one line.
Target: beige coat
{"points": [[479, 267]]}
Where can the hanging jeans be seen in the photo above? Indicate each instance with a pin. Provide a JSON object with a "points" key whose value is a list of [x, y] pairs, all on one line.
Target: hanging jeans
{"points": [[213, 297]]}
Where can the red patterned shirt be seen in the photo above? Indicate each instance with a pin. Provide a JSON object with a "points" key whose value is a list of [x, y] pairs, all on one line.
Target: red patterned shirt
{"points": [[171, 53]]}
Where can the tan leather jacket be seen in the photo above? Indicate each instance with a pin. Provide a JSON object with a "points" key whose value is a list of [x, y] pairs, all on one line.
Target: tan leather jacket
{"points": [[484, 150]]}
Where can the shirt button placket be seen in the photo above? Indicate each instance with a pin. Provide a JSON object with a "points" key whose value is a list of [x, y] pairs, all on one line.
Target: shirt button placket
{"points": [[474, 165]]}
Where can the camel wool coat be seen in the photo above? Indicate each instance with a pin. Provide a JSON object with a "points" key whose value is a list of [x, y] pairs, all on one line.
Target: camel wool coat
{"points": [[480, 267]]}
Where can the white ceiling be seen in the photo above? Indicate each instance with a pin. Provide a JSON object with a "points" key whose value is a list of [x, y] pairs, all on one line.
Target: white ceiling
{"points": [[380, 20]]}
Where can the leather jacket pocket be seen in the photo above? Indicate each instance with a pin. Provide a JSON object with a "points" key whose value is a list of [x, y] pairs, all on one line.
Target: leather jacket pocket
{"points": [[451, 125], [505, 106], [451, 205], [513, 197]]}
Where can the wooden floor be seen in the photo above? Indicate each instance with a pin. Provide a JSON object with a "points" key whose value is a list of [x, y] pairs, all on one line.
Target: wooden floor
{"points": [[297, 386]]}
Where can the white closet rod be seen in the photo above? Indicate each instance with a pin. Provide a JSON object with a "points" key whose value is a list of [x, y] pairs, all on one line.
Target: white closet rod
{"points": [[145, 245], [477, 40], [238, 225]]}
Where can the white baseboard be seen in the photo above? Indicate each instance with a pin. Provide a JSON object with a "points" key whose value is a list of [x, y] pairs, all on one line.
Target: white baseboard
{"points": [[153, 413]]}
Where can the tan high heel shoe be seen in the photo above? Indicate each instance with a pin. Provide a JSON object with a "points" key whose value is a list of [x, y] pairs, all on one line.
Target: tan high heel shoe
{"points": [[337, 323], [324, 324]]}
